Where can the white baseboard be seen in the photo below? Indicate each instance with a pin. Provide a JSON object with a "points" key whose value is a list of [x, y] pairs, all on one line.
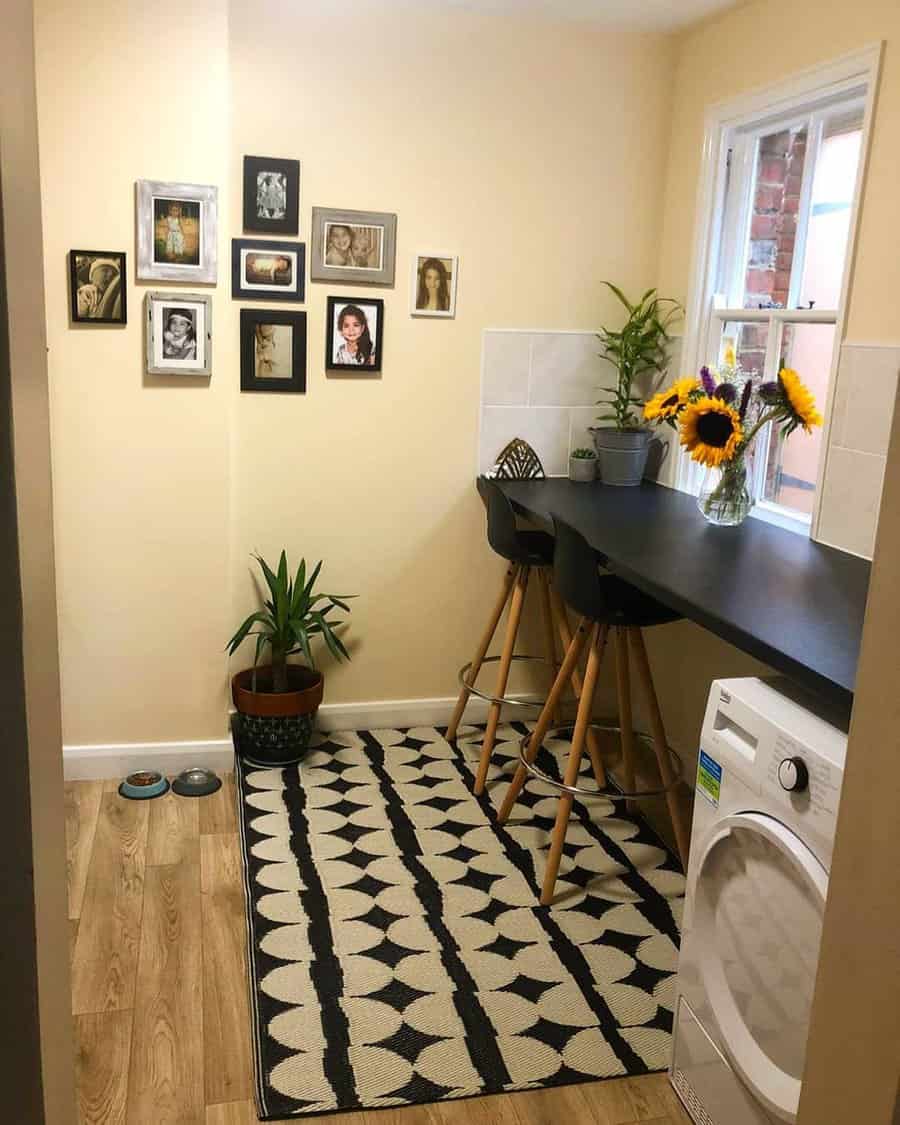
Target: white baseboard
{"points": [[83, 763]]}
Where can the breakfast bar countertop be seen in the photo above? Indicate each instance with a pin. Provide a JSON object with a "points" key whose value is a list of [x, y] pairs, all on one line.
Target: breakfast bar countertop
{"points": [[792, 603]]}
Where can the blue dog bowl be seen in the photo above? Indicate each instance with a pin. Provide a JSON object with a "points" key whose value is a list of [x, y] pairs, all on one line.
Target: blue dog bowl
{"points": [[143, 785]]}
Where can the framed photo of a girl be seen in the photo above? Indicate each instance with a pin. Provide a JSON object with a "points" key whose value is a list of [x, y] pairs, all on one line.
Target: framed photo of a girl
{"points": [[355, 334], [179, 333], [357, 246], [177, 231], [433, 285]]}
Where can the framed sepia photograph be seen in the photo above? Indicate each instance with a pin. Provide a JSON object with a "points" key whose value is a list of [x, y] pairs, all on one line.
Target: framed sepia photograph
{"points": [[271, 195], [354, 246], [179, 333], [273, 350], [97, 286], [355, 332], [177, 226], [433, 284], [268, 270]]}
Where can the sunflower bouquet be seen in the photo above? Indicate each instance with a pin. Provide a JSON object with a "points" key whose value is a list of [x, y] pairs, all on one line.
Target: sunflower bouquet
{"points": [[719, 415]]}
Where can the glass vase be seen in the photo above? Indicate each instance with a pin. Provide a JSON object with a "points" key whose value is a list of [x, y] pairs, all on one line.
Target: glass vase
{"points": [[724, 498]]}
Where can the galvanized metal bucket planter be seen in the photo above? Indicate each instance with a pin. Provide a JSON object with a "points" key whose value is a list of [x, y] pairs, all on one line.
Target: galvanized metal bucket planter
{"points": [[621, 454]]}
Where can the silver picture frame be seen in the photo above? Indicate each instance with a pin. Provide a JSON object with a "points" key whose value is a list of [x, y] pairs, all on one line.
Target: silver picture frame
{"points": [[166, 316], [378, 229], [177, 232]]}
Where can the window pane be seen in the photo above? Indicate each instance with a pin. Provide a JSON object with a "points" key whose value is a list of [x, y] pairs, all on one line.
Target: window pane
{"points": [[829, 214], [774, 206], [791, 465], [749, 342]]}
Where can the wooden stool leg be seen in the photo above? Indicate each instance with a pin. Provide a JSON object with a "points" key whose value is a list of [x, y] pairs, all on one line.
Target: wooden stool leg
{"points": [[509, 644], [511, 572], [585, 707], [623, 686], [549, 635], [593, 745], [660, 745], [573, 651]]}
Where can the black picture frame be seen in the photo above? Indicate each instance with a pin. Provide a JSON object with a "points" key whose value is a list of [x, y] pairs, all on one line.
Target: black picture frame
{"points": [[79, 261], [365, 304], [255, 166], [264, 292], [295, 383]]}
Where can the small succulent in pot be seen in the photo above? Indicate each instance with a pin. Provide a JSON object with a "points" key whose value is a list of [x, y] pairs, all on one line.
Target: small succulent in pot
{"points": [[582, 464]]}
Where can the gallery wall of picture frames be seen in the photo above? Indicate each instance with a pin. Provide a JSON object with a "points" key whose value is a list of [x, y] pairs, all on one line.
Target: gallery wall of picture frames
{"points": [[177, 241]]}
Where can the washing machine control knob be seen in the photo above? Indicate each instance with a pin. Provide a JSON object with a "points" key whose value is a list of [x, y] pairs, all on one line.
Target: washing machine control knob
{"points": [[793, 775]]}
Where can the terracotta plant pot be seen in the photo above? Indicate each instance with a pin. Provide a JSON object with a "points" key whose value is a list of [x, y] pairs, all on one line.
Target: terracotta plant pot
{"points": [[275, 727]]}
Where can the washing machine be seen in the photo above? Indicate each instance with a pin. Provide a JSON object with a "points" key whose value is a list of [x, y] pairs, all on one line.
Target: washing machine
{"points": [[768, 784]]}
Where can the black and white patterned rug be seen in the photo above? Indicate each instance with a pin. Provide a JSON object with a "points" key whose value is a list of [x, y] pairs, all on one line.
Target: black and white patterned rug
{"points": [[398, 952]]}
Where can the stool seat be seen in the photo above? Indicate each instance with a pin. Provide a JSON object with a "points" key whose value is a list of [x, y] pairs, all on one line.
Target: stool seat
{"points": [[535, 548], [619, 603]]}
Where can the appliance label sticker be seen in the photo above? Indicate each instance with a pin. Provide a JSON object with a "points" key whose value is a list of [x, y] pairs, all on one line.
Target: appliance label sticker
{"points": [[709, 778]]}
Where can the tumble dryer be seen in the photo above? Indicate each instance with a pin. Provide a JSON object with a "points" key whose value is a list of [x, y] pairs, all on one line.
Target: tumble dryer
{"points": [[768, 784]]}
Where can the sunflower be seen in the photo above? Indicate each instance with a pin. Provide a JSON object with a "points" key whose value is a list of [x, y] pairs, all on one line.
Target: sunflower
{"points": [[711, 431], [798, 400], [669, 402]]}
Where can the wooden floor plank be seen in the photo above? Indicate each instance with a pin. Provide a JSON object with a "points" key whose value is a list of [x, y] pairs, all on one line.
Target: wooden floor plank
{"points": [[609, 1101], [174, 826], [232, 1113], [646, 1096], [667, 1097], [166, 1081], [226, 1019], [82, 810], [498, 1109], [106, 949], [217, 811], [102, 1042], [547, 1107]]}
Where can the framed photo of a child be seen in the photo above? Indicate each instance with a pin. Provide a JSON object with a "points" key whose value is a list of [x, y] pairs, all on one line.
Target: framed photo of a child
{"points": [[97, 286], [271, 195], [179, 333], [273, 351], [357, 246], [433, 284], [177, 227], [355, 335]]}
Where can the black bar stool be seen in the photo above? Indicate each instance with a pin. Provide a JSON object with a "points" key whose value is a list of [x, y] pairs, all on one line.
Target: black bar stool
{"points": [[604, 602], [527, 552]]}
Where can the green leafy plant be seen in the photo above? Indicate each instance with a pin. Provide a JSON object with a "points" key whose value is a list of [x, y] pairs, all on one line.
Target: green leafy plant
{"points": [[583, 454], [638, 347], [294, 615]]}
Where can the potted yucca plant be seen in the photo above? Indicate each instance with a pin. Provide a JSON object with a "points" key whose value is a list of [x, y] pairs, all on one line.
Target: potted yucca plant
{"points": [[277, 702], [638, 348]]}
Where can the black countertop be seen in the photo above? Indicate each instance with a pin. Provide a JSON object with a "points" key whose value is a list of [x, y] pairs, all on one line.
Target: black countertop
{"points": [[786, 600]]}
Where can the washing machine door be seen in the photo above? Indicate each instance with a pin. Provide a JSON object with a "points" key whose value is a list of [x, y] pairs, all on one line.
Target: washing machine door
{"points": [[759, 897]]}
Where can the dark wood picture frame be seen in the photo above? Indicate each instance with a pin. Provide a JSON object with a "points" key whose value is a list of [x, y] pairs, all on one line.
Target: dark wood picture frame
{"points": [[239, 289], [363, 303], [108, 297], [250, 381], [290, 169]]}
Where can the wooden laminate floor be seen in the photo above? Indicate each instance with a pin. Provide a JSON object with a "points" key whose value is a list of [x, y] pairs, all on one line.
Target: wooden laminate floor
{"points": [[159, 988]]}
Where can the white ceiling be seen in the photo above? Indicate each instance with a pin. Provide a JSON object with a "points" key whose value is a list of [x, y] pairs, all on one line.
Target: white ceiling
{"points": [[643, 15]]}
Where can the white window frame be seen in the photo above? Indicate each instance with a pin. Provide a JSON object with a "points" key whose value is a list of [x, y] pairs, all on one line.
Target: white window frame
{"points": [[855, 73]]}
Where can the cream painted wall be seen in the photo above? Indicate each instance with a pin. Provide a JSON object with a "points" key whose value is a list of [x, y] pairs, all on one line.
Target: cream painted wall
{"points": [[533, 150], [141, 465]]}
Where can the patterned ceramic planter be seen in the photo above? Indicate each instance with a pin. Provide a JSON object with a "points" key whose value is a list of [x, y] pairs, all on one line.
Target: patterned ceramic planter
{"points": [[276, 727]]}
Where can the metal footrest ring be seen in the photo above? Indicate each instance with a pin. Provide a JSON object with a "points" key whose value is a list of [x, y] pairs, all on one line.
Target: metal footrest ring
{"points": [[464, 671], [578, 791]]}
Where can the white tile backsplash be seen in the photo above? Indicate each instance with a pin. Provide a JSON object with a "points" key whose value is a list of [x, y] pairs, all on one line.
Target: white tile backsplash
{"points": [[507, 360], [545, 428], [850, 500], [868, 400], [566, 369]]}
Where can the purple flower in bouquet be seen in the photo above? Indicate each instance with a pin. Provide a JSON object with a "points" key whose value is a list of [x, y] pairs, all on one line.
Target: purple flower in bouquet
{"points": [[745, 398], [770, 392], [709, 384], [727, 392]]}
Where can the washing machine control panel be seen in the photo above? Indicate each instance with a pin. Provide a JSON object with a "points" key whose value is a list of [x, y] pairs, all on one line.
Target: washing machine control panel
{"points": [[793, 775]]}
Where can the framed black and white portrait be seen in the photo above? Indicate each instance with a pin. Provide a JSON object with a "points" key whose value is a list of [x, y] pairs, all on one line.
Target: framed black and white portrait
{"points": [[433, 284], [355, 334], [268, 270], [177, 227], [97, 286], [271, 195], [273, 350], [353, 246], [179, 333]]}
